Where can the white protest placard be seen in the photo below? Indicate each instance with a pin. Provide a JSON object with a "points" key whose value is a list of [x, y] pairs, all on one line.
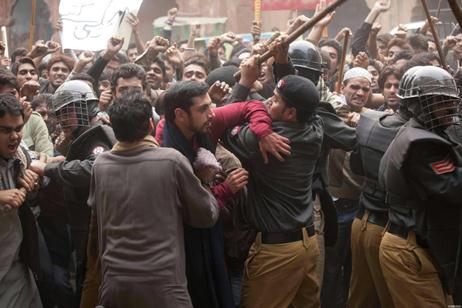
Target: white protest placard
{"points": [[88, 24]]}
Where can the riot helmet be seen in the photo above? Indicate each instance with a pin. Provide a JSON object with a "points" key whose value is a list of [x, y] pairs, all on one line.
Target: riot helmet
{"points": [[74, 104], [431, 96], [306, 59], [405, 82]]}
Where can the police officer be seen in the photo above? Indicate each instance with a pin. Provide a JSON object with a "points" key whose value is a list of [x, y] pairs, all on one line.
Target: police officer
{"points": [[76, 107], [375, 133], [422, 172], [304, 57]]}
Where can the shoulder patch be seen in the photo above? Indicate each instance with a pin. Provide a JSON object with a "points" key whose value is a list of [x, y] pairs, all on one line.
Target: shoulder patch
{"points": [[443, 166], [97, 150], [235, 131]]}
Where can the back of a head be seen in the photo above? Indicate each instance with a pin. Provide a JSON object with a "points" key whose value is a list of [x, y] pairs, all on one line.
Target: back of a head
{"points": [[8, 80], [130, 116], [300, 93], [224, 74], [418, 43], [306, 58], [181, 95]]}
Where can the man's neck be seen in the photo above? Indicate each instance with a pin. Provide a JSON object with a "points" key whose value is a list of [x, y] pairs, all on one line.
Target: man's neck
{"points": [[187, 133]]}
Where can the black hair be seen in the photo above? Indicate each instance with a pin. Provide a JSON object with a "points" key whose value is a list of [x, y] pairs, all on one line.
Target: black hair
{"points": [[421, 59], [83, 77], [403, 55], [181, 95], [126, 71], [8, 79], [10, 105], [121, 57], [385, 73], [334, 44], [418, 41], [161, 64], [41, 99], [15, 65], [130, 115], [18, 52], [131, 46]]}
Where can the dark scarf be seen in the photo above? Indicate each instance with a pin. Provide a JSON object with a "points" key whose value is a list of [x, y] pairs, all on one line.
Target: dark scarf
{"points": [[208, 283], [174, 138]]}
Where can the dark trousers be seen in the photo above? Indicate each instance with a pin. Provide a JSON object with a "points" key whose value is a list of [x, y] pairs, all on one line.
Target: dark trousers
{"points": [[337, 268], [59, 293]]}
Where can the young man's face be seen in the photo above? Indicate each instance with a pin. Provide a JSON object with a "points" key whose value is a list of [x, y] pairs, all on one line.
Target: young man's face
{"points": [[194, 72], [26, 72], [132, 53], [200, 115], [124, 85], [357, 91], [393, 50], [382, 48], [154, 76], [44, 111], [277, 108], [374, 73], [390, 90], [333, 55], [10, 134], [58, 74]]}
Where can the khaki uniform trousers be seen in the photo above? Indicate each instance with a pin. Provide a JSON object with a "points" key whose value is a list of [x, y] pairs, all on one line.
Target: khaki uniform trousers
{"points": [[279, 275], [410, 273], [368, 288]]}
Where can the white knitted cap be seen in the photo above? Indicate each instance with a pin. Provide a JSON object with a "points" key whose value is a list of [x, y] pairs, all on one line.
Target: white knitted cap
{"points": [[357, 72]]}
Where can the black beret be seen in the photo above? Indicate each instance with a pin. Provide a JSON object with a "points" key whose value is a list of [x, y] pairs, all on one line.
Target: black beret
{"points": [[224, 73], [298, 92]]}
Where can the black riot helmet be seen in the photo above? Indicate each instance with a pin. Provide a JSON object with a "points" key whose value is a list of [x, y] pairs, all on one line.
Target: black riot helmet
{"points": [[74, 104], [307, 60], [432, 98]]}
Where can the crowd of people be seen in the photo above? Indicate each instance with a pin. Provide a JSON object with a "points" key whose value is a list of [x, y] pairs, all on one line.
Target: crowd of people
{"points": [[154, 177]]}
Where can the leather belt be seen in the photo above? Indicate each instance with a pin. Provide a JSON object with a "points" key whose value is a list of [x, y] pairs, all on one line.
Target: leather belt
{"points": [[398, 230], [403, 233], [376, 218], [285, 237]]}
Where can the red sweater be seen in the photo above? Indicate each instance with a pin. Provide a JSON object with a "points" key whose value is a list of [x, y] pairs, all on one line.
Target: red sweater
{"points": [[227, 117]]}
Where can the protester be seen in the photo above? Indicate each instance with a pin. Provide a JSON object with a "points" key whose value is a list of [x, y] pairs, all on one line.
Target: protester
{"points": [[156, 275]]}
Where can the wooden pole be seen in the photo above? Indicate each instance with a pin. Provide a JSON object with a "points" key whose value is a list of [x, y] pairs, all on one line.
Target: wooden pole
{"points": [[257, 19], [456, 11], [298, 32], [435, 35], [439, 9], [338, 86], [5, 41], [32, 25]]}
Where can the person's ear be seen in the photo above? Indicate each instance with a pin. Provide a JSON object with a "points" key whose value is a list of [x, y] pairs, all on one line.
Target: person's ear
{"points": [[291, 114], [180, 115]]}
